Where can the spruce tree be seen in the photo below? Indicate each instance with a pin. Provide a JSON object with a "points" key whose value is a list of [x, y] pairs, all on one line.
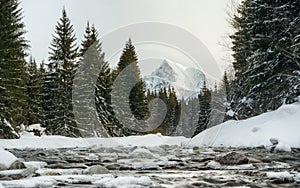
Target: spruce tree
{"points": [[12, 64], [267, 29], [33, 92], [173, 112], [92, 84], [205, 109], [63, 58], [137, 99]]}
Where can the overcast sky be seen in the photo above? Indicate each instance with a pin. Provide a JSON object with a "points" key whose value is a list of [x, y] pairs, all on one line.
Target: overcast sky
{"points": [[207, 20]]}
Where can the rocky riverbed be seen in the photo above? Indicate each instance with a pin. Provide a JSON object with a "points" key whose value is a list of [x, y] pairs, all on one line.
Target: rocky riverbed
{"points": [[158, 166]]}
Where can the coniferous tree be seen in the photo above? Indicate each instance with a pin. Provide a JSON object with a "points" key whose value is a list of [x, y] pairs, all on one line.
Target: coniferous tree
{"points": [[265, 42], [12, 64], [137, 99], [33, 92], [63, 57], [205, 109], [173, 111], [93, 84]]}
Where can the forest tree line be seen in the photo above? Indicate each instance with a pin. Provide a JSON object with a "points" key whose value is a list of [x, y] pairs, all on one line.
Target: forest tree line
{"points": [[265, 47]]}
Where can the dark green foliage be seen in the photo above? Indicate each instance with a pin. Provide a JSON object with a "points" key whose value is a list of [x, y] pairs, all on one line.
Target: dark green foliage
{"points": [[266, 52], [12, 64], [92, 86], [58, 81], [189, 117], [137, 99], [205, 109], [34, 92], [171, 120]]}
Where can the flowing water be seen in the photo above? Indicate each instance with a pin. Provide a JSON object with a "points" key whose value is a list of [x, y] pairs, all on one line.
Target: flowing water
{"points": [[166, 166]]}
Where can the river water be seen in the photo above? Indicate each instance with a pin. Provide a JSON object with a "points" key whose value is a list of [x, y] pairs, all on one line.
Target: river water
{"points": [[166, 166]]}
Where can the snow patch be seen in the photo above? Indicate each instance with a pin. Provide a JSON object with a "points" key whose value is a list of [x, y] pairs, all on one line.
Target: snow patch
{"points": [[282, 124], [217, 166], [53, 142], [281, 146], [122, 182], [280, 175], [6, 158], [142, 153]]}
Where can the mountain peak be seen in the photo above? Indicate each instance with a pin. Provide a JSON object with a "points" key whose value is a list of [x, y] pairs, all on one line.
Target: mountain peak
{"points": [[165, 71], [186, 81]]}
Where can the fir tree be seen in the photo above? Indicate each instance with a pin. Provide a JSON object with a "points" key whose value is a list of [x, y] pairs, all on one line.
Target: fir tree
{"points": [[267, 29], [92, 83], [205, 109], [137, 98], [12, 64], [173, 111], [63, 59], [33, 92]]}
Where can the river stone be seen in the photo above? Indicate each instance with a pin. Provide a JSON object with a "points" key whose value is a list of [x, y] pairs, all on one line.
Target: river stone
{"points": [[113, 166], [232, 158], [29, 172], [17, 165], [274, 141], [97, 169], [2, 167]]}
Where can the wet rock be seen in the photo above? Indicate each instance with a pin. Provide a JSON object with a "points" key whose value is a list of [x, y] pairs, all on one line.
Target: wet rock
{"points": [[113, 166], [92, 157], [274, 141], [54, 160], [232, 158], [56, 165], [50, 173], [2, 167], [75, 159], [97, 169], [126, 167], [29, 172], [142, 153], [280, 177], [16, 176], [17, 165]]}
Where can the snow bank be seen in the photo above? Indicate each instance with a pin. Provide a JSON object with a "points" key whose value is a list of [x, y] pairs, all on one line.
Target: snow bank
{"points": [[51, 142], [6, 158], [282, 124]]}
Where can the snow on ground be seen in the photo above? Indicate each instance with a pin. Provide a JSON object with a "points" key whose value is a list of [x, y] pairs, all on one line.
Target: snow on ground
{"points": [[281, 124], [297, 178], [51, 142], [50, 181], [123, 182], [217, 166], [6, 159], [280, 175], [106, 180]]}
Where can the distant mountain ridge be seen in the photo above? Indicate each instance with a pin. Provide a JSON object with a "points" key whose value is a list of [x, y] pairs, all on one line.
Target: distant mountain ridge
{"points": [[186, 81]]}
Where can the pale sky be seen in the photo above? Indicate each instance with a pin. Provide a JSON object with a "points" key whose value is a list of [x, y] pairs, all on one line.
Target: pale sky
{"points": [[207, 20]]}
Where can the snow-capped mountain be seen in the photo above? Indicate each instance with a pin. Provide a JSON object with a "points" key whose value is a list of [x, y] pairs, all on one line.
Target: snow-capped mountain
{"points": [[186, 81]]}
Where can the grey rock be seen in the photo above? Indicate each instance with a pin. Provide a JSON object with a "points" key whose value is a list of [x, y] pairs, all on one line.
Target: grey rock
{"points": [[29, 172], [17, 165], [2, 167], [113, 166], [232, 158], [97, 169], [274, 141]]}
